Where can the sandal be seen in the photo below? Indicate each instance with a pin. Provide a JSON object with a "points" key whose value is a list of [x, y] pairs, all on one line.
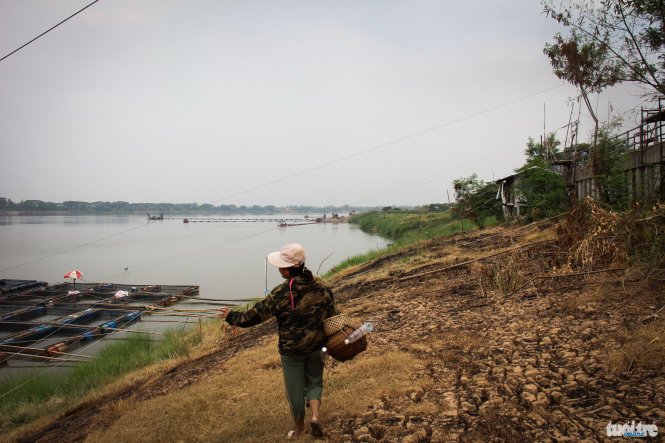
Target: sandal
{"points": [[316, 429], [292, 435]]}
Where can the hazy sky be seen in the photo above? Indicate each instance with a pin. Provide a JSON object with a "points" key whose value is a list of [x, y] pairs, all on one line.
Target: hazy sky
{"points": [[274, 102]]}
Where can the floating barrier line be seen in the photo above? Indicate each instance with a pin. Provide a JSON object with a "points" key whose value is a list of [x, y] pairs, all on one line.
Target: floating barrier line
{"points": [[249, 220]]}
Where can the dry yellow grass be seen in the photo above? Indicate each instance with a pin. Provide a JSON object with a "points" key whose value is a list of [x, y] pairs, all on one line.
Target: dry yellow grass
{"points": [[247, 402], [211, 335], [642, 347]]}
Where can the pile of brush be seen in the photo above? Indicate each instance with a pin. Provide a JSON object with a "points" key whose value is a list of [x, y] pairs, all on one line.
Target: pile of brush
{"points": [[598, 236]]}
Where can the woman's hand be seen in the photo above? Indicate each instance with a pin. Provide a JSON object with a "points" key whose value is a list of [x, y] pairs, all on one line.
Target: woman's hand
{"points": [[223, 312]]}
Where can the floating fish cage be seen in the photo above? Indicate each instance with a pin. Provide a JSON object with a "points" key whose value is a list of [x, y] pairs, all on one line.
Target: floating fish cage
{"points": [[37, 320], [8, 286]]}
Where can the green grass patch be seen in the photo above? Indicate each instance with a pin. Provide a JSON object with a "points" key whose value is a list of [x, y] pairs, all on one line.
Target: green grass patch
{"points": [[28, 396], [405, 228], [358, 260]]}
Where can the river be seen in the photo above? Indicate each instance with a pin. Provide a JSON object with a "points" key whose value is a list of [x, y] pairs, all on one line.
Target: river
{"points": [[226, 259]]}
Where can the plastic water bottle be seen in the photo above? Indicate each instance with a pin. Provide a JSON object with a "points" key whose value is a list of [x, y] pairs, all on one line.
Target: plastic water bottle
{"points": [[355, 335]]}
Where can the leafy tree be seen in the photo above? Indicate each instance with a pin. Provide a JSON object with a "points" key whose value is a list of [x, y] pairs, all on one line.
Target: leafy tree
{"points": [[6, 203], [610, 41], [476, 199], [72, 205], [584, 60], [547, 150], [614, 189], [543, 189]]}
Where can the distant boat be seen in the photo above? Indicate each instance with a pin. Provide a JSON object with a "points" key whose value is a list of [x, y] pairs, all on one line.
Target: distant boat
{"points": [[282, 224], [156, 217]]}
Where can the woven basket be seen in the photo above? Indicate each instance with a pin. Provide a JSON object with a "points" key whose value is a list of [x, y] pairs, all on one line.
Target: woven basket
{"points": [[333, 325], [343, 352]]}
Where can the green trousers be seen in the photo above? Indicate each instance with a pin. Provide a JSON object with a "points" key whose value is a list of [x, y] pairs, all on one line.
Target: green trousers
{"points": [[303, 379]]}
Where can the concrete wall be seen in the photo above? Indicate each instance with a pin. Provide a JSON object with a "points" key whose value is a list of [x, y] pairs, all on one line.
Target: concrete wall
{"points": [[643, 171]]}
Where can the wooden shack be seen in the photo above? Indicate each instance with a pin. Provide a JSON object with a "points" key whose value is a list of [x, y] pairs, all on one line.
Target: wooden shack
{"points": [[509, 195]]}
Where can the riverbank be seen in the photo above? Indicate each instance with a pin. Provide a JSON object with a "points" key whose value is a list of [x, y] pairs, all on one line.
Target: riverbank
{"points": [[504, 333], [38, 393], [404, 228]]}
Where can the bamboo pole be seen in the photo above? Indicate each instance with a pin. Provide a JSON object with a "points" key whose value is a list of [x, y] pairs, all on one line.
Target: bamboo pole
{"points": [[221, 299], [207, 303], [25, 348], [581, 273], [36, 366], [183, 315], [44, 357], [161, 321], [180, 310], [573, 274], [447, 268], [99, 327], [150, 308], [131, 330]]}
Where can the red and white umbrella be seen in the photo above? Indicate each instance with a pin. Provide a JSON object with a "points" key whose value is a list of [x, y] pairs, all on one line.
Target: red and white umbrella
{"points": [[74, 275]]}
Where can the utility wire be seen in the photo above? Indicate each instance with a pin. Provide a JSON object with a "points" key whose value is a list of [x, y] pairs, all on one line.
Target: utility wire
{"points": [[48, 30], [374, 148], [383, 145], [197, 251], [388, 143], [428, 179], [73, 247]]}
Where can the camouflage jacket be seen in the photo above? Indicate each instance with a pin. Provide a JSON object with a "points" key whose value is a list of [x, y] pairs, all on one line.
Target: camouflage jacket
{"points": [[300, 324]]}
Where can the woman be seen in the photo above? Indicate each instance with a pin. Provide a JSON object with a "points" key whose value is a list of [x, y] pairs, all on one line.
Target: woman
{"points": [[300, 305]]}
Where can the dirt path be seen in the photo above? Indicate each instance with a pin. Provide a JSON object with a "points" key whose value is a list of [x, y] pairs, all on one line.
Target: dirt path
{"points": [[530, 366]]}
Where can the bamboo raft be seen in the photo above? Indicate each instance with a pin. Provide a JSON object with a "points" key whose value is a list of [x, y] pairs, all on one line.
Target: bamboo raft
{"points": [[73, 317]]}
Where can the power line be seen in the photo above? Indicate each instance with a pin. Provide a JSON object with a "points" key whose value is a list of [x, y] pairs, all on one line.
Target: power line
{"points": [[374, 148], [73, 247], [388, 143], [425, 180], [48, 30], [195, 252]]}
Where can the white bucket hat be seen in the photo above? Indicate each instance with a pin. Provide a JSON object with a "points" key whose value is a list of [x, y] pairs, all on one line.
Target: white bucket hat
{"points": [[292, 254]]}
